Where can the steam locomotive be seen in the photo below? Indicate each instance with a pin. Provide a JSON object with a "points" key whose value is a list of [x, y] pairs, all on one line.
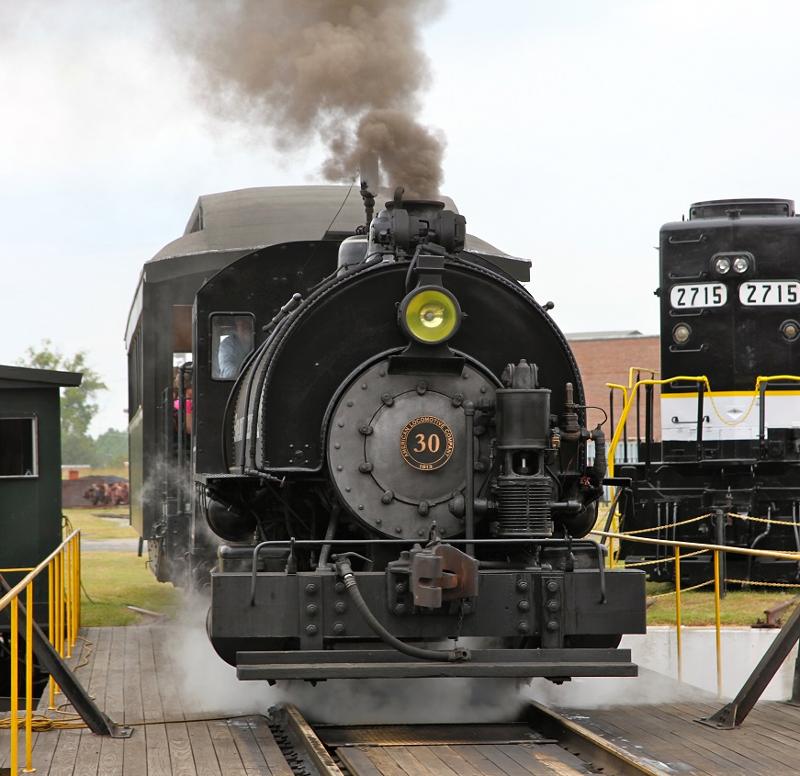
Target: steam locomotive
{"points": [[730, 448], [391, 458]]}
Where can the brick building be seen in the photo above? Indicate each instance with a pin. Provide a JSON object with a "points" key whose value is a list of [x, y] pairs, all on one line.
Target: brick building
{"points": [[604, 357]]}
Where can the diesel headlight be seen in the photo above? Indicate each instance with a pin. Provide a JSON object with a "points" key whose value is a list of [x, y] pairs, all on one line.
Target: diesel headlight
{"points": [[741, 265], [722, 265], [681, 333], [430, 315]]}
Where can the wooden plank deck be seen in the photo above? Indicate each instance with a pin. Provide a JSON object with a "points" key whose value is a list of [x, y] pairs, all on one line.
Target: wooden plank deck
{"points": [[767, 744], [131, 673]]}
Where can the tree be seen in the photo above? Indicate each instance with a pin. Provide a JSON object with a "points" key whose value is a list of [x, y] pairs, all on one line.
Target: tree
{"points": [[111, 448], [78, 405]]}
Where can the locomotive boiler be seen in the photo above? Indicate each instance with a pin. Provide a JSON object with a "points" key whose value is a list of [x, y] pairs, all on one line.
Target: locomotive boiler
{"points": [[405, 488]]}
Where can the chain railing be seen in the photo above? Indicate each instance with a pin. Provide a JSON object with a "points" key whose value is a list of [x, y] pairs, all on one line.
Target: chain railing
{"points": [[63, 571], [694, 549]]}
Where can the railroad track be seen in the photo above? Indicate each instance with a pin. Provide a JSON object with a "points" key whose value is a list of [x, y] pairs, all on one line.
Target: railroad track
{"points": [[541, 742]]}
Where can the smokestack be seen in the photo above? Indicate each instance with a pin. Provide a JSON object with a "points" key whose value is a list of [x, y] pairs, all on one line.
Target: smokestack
{"points": [[311, 68], [369, 168]]}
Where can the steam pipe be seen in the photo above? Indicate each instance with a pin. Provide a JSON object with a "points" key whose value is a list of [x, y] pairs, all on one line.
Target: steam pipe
{"points": [[469, 522], [600, 461], [455, 655], [329, 534]]}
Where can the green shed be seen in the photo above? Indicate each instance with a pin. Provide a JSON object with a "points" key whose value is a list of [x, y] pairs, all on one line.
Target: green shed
{"points": [[30, 463]]}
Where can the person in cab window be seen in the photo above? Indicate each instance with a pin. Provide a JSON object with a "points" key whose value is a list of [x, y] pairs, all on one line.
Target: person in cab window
{"points": [[234, 347]]}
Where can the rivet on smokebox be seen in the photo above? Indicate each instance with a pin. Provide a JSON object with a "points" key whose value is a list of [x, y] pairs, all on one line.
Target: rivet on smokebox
{"points": [[311, 629], [365, 467], [387, 399], [523, 605], [522, 585], [552, 625], [339, 587], [523, 627], [340, 607], [311, 588], [457, 400], [552, 585], [423, 508], [312, 610], [553, 605], [422, 387], [366, 429], [387, 497], [338, 628]]}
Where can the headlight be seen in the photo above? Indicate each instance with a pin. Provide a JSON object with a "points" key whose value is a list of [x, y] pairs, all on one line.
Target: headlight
{"points": [[722, 265], [430, 315], [741, 265], [681, 333], [790, 330]]}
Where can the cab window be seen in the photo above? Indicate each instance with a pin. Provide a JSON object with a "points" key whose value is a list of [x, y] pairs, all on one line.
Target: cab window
{"points": [[232, 340]]}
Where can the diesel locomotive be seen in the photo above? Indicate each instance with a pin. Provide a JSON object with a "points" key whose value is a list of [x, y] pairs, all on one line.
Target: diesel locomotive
{"points": [[730, 414], [387, 470]]}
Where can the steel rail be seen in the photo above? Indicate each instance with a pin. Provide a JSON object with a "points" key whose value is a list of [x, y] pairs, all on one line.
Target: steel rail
{"points": [[577, 740], [603, 755]]}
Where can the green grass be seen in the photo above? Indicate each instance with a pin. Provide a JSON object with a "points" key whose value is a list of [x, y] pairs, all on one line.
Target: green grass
{"points": [[97, 528], [739, 607], [116, 579]]}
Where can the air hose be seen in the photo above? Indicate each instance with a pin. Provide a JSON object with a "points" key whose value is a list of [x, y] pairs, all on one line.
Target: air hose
{"points": [[454, 655]]}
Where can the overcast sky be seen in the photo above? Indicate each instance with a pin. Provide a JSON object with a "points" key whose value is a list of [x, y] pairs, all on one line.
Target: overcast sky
{"points": [[574, 130]]}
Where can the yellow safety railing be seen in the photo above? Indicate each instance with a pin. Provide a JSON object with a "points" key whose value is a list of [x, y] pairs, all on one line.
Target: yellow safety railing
{"points": [[63, 569], [629, 395], [638, 370], [631, 391], [698, 548]]}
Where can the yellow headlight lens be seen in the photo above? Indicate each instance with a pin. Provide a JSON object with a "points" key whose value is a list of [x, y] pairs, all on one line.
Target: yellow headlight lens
{"points": [[430, 315]]}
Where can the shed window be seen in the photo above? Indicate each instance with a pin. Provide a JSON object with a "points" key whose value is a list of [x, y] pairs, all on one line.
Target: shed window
{"points": [[18, 456]]}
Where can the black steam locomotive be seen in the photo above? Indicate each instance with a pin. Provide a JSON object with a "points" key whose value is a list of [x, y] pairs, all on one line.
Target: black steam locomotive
{"points": [[730, 447], [392, 458]]}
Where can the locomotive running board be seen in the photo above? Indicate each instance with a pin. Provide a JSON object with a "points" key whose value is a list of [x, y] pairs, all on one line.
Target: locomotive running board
{"points": [[554, 664]]}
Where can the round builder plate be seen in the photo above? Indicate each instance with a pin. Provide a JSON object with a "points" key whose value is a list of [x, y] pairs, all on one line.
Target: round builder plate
{"points": [[396, 448], [426, 443]]}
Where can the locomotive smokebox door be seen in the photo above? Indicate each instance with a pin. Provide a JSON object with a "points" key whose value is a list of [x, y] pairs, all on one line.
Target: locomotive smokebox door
{"points": [[397, 446]]}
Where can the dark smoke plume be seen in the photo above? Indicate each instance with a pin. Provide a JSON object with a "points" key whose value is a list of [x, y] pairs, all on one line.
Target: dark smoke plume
{"points": [[347, 70]]}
